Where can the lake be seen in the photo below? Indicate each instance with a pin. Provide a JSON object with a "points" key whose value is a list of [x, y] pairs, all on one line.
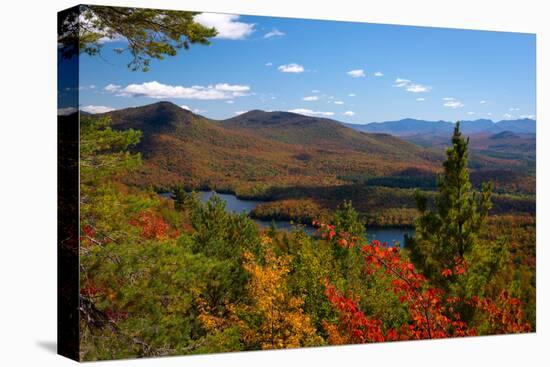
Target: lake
{"points": [[236, 205]]}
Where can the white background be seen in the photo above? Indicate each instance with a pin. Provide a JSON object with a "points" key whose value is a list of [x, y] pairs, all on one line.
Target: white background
{"points": [[28, 182]]}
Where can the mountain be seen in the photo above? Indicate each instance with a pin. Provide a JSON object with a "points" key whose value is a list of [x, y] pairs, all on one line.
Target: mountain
{"points": [[504, 136], [498, 145], [307, 131], [258, 150], [412, 127], [526, 126], [406, 127]]}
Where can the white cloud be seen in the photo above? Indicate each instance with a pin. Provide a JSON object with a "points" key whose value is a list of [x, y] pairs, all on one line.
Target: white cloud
{"points": [[310, 98], [453, 104], [64, 111], [410, 86], [471, 113], [268, 64], [507, 116], [291, 68], [338, 102], [240, 112], [421, 99], [307, 112], [351, 95], [226, 24], [349, 113], [532, 117], [274, 33], [482, 102], [489, 114], [230, 101], [357, 73], [400, 82], [378, 73], [185, 107], [418, 88], [158, 90], [97, 109], [315, 91], [513, 109], [112, 88]]}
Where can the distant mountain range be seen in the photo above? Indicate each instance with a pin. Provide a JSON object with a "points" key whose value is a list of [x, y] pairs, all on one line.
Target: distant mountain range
{"points": [[410, 127]]}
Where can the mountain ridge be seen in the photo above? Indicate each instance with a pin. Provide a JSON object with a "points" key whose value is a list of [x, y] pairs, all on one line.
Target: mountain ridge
{"points": [[409, 126]]}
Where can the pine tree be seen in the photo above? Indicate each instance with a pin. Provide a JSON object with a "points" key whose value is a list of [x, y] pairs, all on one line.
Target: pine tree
{"points": [[446, 234], [180, 198], [346, 219]]}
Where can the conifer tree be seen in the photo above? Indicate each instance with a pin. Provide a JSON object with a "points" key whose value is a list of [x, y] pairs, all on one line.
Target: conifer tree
{"points": [[347, 219], [446, 234], [180, 198]]}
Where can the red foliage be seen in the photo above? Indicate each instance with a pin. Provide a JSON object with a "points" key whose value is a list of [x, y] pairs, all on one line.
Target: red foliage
{"points": [[90, 290], [153, 226], [432, 313], [87, 235], [354, 326], [116, 316], [91, 236], [504, 315]]}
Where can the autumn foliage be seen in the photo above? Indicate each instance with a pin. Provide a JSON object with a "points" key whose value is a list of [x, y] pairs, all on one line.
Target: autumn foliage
{"points": [[283, 322], [432, 313], [152, 226]]}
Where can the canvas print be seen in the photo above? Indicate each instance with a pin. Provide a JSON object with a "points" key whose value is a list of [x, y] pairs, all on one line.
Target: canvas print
{"points": [[236, 183]]}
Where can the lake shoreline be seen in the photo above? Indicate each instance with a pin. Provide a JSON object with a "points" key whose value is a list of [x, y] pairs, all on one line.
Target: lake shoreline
{"points": [[268, 218], [236, 205]]}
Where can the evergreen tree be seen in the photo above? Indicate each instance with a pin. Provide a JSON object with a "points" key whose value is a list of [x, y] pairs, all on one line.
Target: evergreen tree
{"points": [[346, 219], [446, 234], [180, 198]]}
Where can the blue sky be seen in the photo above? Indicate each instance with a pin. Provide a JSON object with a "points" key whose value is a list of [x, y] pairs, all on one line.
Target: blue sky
{"points": [[352, 72]]}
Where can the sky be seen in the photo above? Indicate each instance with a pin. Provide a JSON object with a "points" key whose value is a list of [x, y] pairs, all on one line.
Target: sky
{"points": [[351, 72]]}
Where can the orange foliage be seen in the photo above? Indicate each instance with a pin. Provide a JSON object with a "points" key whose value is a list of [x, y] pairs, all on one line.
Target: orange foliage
{"points": [[284, 323], [153, 226]]}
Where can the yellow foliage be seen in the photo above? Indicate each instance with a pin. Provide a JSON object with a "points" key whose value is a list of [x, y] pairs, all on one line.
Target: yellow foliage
{"points": [[283, 322]]}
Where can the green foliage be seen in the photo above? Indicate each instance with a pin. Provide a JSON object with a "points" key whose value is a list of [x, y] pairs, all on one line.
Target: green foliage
{"points": [[103, 151], [150, 33], [347, 219], [219, 233], [181, 198], [313, 262]]}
